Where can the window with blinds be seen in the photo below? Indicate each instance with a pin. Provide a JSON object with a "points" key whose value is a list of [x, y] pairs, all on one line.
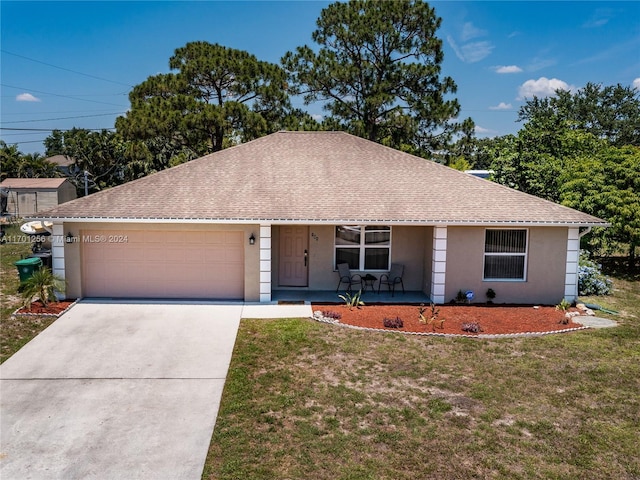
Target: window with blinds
{"points": [[505, 254]]}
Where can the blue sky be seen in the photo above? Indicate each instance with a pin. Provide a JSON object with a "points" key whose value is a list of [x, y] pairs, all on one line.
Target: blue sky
{"points": [[72, 64]]}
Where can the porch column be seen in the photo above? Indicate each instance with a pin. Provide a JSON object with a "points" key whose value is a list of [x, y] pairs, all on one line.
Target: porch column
{"points": [[57, 250], [438, 264], [571, 270], [265, 263]]}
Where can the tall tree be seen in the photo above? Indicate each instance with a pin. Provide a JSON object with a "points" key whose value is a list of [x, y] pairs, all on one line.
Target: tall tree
{"points": [[608, 112], [217, 97], [378, 70], [15, 164], [101, 154], [607, 184], [533, 160]]}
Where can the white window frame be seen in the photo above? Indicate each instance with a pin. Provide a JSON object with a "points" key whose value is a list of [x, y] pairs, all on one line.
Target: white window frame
{"points": [[363, 246], [524, 254]]}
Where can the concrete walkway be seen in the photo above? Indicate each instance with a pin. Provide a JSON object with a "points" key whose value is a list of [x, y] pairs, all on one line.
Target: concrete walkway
{"points": [[276, 311], [117, 391], [595, 322]]}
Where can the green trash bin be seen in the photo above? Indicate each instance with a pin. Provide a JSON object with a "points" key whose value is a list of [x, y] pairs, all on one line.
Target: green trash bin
{"points": [[27, 266]]}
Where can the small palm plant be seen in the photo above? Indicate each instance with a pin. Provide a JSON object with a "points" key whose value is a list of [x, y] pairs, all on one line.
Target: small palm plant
{"points": [[352, 300], [43, 284], [432, 317]]}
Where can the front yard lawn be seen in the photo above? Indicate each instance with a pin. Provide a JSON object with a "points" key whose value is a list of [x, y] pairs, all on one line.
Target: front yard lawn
{"points": [[14, 332], [311, 400]]}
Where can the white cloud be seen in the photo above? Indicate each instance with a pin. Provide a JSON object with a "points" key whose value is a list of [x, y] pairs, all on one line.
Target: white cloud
{"points": [[636, 83], [317, 117], [469, 32], [476, 51], [482, 131], [599, 18], [543, 60], [502, 106], [471, 52], [455, 47], [26, 97], [508, 69], [543, 87]]}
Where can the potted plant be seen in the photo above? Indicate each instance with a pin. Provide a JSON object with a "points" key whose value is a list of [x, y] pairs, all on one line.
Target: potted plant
{"points": [[491, 294]]}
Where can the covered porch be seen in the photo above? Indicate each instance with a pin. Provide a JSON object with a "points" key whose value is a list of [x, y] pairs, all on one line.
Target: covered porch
{"points": [[298, 262], [330, 296]]}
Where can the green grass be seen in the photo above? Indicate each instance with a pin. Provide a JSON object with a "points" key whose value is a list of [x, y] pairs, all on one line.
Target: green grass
{"points": [[14, 332], [310, 400]]}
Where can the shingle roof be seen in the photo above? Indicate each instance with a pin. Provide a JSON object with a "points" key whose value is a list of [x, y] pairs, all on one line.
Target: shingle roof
{"points": [[33, 183], [61, 160], [329, 177]]}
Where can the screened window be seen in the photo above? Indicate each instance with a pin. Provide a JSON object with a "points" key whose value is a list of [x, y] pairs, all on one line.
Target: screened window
{"points": [[363, 248], [505, 254]]}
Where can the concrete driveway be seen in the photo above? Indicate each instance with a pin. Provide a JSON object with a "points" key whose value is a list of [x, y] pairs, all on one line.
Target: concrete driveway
{"points": [[117, 391]]}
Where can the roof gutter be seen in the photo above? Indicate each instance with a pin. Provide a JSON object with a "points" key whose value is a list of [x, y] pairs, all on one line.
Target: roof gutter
{"points": [[347, 221]]}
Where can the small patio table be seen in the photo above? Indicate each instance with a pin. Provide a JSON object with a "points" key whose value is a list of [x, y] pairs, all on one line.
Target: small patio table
{"points": [[368, 281]]}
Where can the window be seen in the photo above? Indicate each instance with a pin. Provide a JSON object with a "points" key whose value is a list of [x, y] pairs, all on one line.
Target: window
{"points": [[363, 248], [505, 254]]}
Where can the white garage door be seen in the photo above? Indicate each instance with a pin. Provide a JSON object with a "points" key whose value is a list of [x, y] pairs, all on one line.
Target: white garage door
{"points": [[161, 264]]}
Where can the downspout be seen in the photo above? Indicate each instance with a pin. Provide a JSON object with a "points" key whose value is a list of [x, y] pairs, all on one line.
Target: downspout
{"points": [[583, 233]]}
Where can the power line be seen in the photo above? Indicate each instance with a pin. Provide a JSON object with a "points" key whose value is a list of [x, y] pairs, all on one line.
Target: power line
{"points": [[64, 118], [55, 111], [52, 129], [20, 134], [28, 141], [60, 95], [66, 69]]}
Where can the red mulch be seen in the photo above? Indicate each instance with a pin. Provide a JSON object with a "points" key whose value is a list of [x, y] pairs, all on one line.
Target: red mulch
{"points": [[54, 308], [493, 319]]}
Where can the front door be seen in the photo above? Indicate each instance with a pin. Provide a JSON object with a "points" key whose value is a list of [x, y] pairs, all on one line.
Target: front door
{"points": [[294, 256]]}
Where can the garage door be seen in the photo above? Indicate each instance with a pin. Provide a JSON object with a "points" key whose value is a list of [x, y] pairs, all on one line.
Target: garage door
{"points": [[162, 264]]}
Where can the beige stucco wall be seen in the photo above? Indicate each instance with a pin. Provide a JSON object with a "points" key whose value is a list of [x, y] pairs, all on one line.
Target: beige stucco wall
{"points": [[409, 246], [72, 251], [428, 258], [546, 264]]}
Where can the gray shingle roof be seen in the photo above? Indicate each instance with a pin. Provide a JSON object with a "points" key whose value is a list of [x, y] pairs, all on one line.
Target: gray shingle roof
{"points": [[61, 160], [312, 177], [33, 183]]}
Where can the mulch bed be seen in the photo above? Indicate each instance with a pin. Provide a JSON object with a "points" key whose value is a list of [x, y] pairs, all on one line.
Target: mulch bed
{"points": [[37, 308], [493, 320]]}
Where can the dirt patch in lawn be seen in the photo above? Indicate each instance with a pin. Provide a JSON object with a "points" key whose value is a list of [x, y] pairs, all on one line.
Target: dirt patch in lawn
{"points": [[455, 319]]}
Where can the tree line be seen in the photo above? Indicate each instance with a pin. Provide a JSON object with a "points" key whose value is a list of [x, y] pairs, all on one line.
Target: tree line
{"points": [[376, 70]]}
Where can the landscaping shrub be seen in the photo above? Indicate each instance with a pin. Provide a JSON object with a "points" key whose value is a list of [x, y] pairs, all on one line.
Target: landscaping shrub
{"points": [[591, 280], [331, 314], [393, 322], [471, 327]]}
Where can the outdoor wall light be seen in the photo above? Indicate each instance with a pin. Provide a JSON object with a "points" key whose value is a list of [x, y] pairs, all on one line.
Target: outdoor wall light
{"points": [[252, 239], [70, 237]]}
